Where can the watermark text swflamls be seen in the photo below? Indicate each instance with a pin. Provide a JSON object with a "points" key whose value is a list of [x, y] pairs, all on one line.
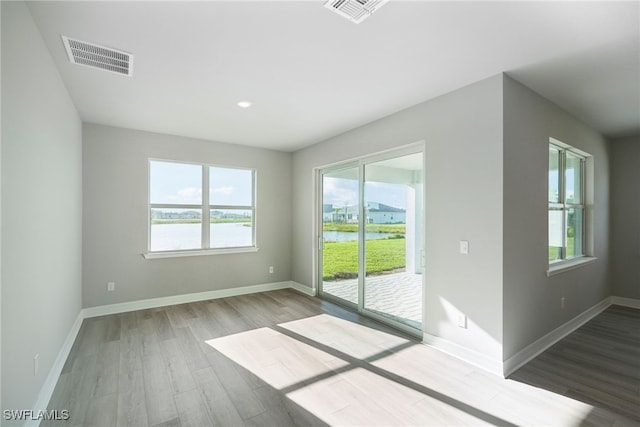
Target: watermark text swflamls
{"points": [[31, 415]]}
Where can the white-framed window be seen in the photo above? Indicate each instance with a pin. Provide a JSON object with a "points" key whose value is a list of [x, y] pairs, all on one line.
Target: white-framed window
{"points": [[199, 208], [567, 203]]}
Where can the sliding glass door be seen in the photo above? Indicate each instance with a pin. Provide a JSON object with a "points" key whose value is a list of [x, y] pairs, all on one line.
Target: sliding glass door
{"points": [[340, 252], [371, 242]]}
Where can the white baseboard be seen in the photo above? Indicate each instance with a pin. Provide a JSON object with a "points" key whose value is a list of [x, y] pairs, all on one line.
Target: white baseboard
{"points": [[446, 346], [626, 302], [304, 289], [124, 307], [54, 373], [534, 349], [475, 358]]}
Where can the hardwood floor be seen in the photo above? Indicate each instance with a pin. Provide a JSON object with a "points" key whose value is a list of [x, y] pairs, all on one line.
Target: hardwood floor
{"points": [[598, 364], [281, 358]]}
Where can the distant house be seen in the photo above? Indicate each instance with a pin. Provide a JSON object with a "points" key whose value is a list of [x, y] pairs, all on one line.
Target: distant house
{"points": [[342, 214], [375, 213], [160, 214], [227, 215], [378, 213]]}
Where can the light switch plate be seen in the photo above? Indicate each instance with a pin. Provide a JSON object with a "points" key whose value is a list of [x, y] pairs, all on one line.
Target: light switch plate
{"points": [[464, 247]]}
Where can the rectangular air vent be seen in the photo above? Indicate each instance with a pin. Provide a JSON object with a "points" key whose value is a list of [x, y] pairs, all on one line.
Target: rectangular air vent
{"points": [[95, 56], [354, 10]]}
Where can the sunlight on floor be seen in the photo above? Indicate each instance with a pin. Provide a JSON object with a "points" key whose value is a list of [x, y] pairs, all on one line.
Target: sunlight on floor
{"points": [[346, 373], [350, 338], [277, 359]]}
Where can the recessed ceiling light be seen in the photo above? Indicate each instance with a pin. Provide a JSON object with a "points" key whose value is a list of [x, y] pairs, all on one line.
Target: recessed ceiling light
{"points": [[244, 104]]}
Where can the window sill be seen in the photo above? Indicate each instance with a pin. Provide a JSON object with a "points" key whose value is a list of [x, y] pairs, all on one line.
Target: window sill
{"points": [[571, 264], [198, 252]]}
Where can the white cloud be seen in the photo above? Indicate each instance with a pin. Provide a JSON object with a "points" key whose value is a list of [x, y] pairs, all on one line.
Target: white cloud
{"points": [[188, 195], [337, 192], [225, 190]]}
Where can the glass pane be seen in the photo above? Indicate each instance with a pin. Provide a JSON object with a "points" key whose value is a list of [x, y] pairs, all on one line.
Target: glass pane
{"points": [[230, 228], [573, 179], [554, 177], [393, 240], [340, 212], [230, 187], [175, 183], [176, 229], [555, 235], [575, 219]]}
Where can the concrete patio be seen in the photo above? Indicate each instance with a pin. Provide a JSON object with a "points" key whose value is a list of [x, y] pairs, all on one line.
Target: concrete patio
{"points": [[396, 295]]}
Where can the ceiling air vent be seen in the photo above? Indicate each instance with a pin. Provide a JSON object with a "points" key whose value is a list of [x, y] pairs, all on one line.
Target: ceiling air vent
{"points": [[95, 56], [354, 10]]}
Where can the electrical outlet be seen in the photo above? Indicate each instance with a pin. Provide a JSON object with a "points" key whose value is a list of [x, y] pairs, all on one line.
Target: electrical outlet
{"points": [[36, 366], [271, 270], [111, 286], [464, 247]]}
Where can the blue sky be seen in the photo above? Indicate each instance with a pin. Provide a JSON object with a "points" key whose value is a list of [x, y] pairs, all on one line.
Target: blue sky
{"points": [[181, 183], [569, 181], [341, 192]]}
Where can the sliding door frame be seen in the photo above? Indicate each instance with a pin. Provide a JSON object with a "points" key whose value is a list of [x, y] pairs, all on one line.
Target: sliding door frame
{"points": [[361, 163], [319, 249]]}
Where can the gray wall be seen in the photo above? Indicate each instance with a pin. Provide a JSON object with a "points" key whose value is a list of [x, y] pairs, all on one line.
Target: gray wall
{"points": [[625, 216], [115, 174], [41, 209], [531, 299], [463, 185]]}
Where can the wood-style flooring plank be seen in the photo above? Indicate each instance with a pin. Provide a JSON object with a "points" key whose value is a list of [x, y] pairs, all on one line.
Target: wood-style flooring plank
{"points": [[285, 359], [107, 369], [192, 350], [83, 382], [598, 364], [179, 375], [102, 411], [163, 325], [158, 391], [191, 409], [132, 407], [240, 393], [219, 406]]}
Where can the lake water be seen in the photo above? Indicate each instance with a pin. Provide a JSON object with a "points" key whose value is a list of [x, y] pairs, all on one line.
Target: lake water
{"points": [[347, 236], [173, 237]]}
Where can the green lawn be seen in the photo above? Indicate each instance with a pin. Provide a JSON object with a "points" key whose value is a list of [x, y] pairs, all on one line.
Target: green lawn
{"points": [[554, 250], [369, 228], [341, 258]]}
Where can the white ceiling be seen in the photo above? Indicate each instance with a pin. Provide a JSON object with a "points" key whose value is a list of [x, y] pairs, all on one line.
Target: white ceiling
{"points": [[312, 74]]}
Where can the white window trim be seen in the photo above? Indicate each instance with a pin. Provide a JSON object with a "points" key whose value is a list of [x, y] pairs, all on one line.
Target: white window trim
{"points": [[206, 212], [569, 264], [561, 266], [199, 252]]}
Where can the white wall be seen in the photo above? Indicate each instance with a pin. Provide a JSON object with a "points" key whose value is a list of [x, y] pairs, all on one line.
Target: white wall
{"points": [[531, 299], [463, 201], [625, 216], [41, 209], [115, 174]]}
